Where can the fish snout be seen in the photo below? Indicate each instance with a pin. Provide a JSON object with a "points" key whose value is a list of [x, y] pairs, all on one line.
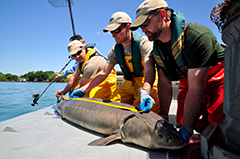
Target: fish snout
{"points": [[167, 136]]}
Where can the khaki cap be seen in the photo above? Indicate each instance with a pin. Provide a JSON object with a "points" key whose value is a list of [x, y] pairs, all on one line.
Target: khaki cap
{"points": [[144, 10], [116, 20], [74, 46]]}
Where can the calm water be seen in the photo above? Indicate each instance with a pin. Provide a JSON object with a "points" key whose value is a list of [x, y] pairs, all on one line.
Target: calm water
{"points": [[16, 97]]}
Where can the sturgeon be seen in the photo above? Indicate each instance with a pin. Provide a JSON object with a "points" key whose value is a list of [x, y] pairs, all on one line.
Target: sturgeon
{"points": [[148, 130]]}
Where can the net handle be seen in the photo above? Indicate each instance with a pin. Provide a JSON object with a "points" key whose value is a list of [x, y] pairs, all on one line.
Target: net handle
{"points": [[70, 10]]}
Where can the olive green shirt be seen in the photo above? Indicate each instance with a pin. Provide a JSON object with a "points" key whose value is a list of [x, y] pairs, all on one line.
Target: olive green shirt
{"points": [[201, 47]]}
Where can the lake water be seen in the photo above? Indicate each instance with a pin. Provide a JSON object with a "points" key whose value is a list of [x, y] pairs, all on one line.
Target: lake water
{"points": [[16, 97]]}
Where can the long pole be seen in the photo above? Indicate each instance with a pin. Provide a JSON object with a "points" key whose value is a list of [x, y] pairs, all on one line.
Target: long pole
{"points": [[37, 97], [70, 10]]}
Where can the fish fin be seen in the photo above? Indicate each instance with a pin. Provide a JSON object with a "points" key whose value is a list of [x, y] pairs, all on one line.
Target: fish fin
{"points": [[104, 141]]}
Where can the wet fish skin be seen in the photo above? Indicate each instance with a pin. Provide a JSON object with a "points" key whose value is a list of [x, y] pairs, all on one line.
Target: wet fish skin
{"points": [[148, 129], [154, 134]]}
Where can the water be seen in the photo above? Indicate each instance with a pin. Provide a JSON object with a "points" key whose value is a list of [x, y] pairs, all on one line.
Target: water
{"points": [[16, 97]]}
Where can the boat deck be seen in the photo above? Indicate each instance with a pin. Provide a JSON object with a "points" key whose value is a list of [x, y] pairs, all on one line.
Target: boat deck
{"points": [[42, 134]]}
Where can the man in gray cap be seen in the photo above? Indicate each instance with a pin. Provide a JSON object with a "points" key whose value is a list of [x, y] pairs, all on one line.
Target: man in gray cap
{"points": [[130, 50], [89, 64], [68, 73], [190, 54]]}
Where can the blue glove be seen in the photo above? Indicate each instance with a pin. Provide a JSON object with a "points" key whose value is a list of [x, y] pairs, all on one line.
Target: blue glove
{"points": [[186, 132], [146, 101], [77, 94]]}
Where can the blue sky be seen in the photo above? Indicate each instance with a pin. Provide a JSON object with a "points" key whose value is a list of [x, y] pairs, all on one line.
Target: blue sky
{"points": [[34, 35]]}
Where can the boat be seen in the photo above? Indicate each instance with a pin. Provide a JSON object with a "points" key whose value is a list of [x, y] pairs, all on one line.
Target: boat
{"points": [[43, 134]]}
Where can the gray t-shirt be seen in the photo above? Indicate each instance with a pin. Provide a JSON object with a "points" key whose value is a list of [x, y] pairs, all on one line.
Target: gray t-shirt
{"points": [[145, 50], [93, 66]]}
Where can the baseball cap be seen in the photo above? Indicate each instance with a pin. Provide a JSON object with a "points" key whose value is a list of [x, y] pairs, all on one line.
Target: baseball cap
{"points": [[144, 9], [116, 20], [74, 46]]}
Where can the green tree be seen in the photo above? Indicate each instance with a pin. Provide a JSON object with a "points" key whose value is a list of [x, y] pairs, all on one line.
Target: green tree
{"points": [[41, 76], [15, 77], [26, 76], [11, 77], [8, 76], [2, 77], [51, 75], [30, 76], [23, 76], [50, 72]]}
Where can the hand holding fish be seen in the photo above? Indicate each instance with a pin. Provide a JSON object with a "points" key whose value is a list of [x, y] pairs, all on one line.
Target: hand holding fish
{"points": [[186, 132], [77, 94], [146, 101]]}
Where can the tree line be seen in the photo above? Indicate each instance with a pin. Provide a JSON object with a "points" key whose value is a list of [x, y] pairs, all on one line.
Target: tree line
{"points": [[37, 76]]}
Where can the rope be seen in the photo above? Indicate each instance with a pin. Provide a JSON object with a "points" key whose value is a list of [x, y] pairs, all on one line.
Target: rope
{"points": [[98, 102]]}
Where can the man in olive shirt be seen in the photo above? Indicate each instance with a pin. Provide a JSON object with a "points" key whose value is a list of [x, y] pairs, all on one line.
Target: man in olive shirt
{"points": [[189, 53]]}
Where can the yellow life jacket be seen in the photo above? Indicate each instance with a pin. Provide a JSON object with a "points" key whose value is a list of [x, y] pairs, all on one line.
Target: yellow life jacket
{"points": [[177, 48], [132, 66], [90, 53]]}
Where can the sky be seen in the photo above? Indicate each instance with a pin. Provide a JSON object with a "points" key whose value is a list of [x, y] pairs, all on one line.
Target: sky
{"points": [[34, 35]]}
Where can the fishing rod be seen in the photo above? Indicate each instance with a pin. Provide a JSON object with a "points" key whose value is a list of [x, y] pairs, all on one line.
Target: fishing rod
{"points": [[56, 4], [36, 96]]}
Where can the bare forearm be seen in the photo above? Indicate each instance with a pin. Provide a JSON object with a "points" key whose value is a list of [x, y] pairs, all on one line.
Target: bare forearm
{"points": [[58, 76], [194, 101], [149, 78], [98, 78], [77, 87], [193, 108], [148, 82], [71, 81], [149, 73], [165, 97], [68, 86], [83, 81]]}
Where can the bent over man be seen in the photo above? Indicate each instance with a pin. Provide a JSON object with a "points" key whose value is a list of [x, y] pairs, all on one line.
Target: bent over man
{"points": [[131, 51], [68, 73], [189, 53], [89, 64]]}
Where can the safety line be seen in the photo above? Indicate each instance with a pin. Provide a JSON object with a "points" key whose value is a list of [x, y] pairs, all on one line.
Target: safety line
{"points": [[106, 104]]}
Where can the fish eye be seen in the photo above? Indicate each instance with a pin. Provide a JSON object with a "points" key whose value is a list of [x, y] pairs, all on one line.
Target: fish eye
{"points": [[158, 125], [160, 135]]}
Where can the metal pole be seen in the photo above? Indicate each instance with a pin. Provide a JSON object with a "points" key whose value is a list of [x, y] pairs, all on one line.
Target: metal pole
{"points": [[70, 10], [37, 97]]}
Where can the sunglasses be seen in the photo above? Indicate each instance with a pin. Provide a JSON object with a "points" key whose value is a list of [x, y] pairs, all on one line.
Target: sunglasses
{"points": [[78, 53], [118, 30], [147, 21]]}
